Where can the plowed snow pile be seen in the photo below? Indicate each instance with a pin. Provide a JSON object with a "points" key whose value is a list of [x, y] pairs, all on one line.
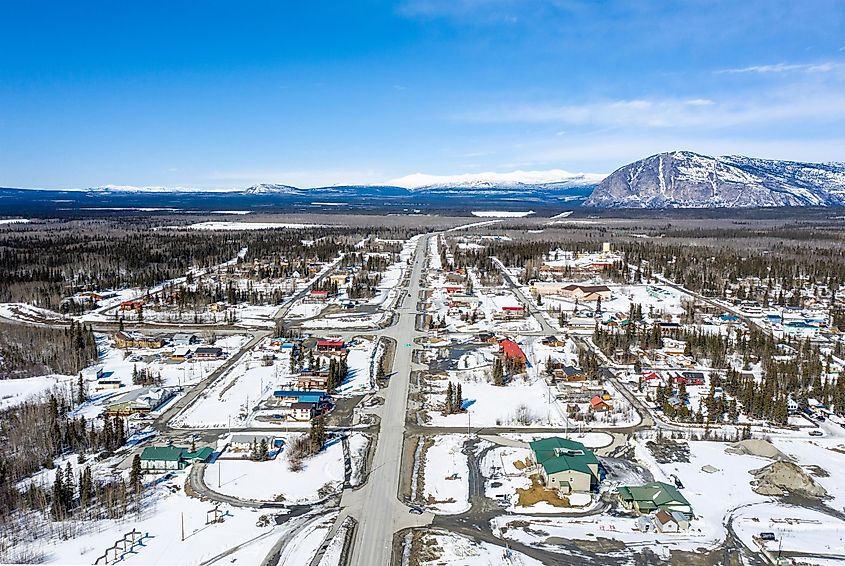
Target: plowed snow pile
{"points": [[778, 477], [755, 447]]}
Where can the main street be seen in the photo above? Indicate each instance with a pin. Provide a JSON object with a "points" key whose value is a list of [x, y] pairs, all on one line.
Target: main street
{"points": [[376, 506]]}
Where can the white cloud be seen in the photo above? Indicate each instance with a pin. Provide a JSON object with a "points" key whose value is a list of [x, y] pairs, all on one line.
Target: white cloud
{"points": [[797, 104], [786, 68]]}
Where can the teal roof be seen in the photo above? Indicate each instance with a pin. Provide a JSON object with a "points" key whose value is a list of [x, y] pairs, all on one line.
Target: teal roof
{"points": [[557, 454], [175, 453], [167, 453], [203, 454], [657, 494]]}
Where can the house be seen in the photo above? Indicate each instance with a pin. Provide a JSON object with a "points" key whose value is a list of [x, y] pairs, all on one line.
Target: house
{"points": [[512, 351], [553, 342], [318, 296], [313, 382], [463, 300], [139, 401], [328, 346], [128, 339], [157, 458], [452, 289], [338, 279], [92, 373], [208, 353], [303, 411], [136, 305], [791, 406], [572, 373], [510, 312], [598, 404], [566, 465], [692, 378], [184, 339], [586, 292], [243, 442], [670, 522], [485, 338], [107, 385], [181, 353], [653, 496]]}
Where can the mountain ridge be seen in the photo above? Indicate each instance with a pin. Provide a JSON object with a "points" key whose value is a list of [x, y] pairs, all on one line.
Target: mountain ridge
{"points": [[685, 179]]}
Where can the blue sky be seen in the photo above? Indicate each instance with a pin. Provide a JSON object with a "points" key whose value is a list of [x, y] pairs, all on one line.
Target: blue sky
{"points": [[228, 94]]}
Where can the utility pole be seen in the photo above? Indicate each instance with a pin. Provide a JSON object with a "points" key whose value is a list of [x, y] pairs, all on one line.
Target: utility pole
{"points": [[219, 467], [183, 526]]}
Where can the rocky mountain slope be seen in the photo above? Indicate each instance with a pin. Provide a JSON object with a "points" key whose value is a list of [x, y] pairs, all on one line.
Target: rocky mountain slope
{"points": [[683, 179]]}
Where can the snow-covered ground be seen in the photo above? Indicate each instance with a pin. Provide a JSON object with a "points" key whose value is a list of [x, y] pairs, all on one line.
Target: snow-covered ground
{"points": [[273, 480], [22, 312], [162, 521], [501, 213], [361, 363], [304, 545], [7, 221], [456, 550], [222, 225], [446, 488], [16, 391], [796, 529], [520, 403], [232, 398]]}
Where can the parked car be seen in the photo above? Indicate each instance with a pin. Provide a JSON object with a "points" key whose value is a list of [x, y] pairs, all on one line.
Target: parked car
{"points": [[816, 433], [767, 536], [415, 511]]}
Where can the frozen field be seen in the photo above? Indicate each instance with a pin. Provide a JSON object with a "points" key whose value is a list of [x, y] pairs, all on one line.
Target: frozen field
{"points": [[272, 480], [447, 475]]}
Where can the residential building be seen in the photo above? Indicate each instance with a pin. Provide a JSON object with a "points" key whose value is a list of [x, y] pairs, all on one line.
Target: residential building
{"points": [[654, 496], [566, 465], [208, 353], [158, 458], [139, 401]]}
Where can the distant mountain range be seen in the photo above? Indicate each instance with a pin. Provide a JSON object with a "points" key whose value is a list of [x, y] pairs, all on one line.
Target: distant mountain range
{"points": [[680, 179], [683, 179]]}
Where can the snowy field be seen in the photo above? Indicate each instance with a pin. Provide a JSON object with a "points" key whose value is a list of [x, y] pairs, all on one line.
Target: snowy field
{"points": [[162, 521], [16, 391], [361, 364], [456, 550], [520, 403], [796, 529], [232, 398], [7, 221], [501, 213], [446, 488], [23, 312], [272, 480], [222, 225]]}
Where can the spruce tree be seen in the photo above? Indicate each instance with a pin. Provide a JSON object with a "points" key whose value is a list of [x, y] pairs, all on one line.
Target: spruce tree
{"points": [[135, 475], [57, 501], [450, 399], [459, 400]]}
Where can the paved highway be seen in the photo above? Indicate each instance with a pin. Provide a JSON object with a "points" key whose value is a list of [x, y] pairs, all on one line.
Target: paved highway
{"points": [[376, 505]]}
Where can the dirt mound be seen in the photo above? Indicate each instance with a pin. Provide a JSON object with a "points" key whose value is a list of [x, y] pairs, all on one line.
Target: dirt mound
{"points": [[780, 476], [756, 447]]}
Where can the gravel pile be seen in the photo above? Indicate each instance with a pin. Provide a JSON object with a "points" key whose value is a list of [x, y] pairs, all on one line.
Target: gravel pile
{"points": [[778, 477]]}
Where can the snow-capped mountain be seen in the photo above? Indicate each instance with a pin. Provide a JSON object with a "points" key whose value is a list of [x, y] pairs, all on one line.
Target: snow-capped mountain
{"points": [[490, 180], [272, 189], [683, 179]]}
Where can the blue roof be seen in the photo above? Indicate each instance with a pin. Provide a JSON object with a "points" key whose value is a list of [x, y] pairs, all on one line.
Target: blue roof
{"points": [[729, 317], [302, 396], [311, 397]]}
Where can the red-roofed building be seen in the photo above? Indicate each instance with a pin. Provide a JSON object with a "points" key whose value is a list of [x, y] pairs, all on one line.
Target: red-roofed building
{"points": [[511, 350], [599, 404], [330, 345], [132, 305]]}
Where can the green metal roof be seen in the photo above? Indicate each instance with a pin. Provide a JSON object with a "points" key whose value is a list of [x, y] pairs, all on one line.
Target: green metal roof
{"points": [[175, 453], [167, 453], [557, 454], [203, 454], [657, 494]]}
